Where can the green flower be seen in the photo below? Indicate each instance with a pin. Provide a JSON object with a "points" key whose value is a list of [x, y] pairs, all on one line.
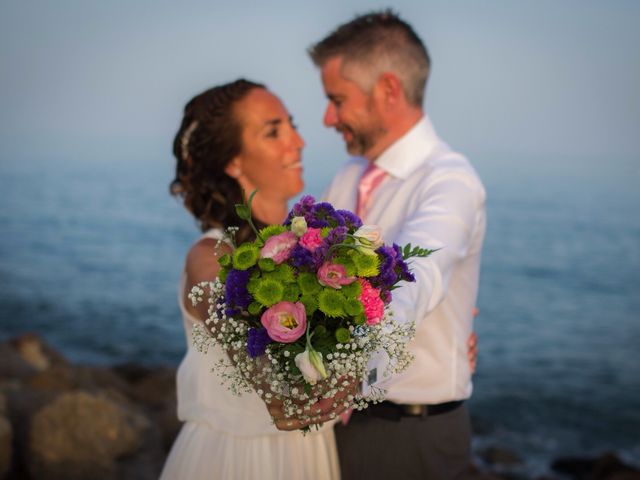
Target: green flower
{"points": [[360, 319], [266, 264], [291, 292], [352, 291], [342, 335], [252, 284], [330, 302], [254, 308], [366, 265], [285, 273], [308, 283], [225, 260], [347, 263], [268, 292], [245, 256], [271, 230], [320, 331], [281, 273], [310, 304], [222, 274], [353, 307]]}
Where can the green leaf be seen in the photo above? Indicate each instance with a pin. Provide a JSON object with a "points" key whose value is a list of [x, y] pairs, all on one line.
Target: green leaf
{"points": [[243, 211]]}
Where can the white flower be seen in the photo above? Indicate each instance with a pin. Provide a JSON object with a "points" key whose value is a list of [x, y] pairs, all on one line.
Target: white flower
{"points": [[299, 226], [368, 238], [310, 364]]}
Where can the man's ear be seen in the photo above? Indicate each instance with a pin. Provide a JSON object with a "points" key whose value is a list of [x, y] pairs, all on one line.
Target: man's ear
{"points": [[389, 88], [234, 167]]}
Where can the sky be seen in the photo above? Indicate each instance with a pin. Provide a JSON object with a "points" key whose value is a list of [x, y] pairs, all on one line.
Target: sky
{"points": [[539, 81]]}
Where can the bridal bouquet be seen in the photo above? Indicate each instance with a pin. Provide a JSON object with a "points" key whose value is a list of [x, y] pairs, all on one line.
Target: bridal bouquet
{"points": [[303, 308]]}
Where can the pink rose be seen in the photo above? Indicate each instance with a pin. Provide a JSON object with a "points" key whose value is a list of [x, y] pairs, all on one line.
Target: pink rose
{"points": [[285, 321], [311, 239], [333, 275], [279, 247], [372, 303]]}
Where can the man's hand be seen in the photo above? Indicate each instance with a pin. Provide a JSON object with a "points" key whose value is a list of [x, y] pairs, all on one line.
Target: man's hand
{"points": [[472, 346], [472, 352]]}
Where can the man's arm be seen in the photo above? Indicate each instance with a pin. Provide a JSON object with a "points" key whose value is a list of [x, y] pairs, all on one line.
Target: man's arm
{"points": [[446, 219]]}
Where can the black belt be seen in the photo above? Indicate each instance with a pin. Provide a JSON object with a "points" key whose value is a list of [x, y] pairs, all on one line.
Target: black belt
{"points": [[395, 411]]}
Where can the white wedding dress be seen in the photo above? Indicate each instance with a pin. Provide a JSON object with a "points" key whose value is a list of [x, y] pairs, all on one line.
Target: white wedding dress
{"points": [[232, 437]]}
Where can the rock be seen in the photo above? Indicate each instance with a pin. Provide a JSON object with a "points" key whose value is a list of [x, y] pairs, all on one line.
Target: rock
{"points": [[167, 422], [132, 372], [606, 467], [155, 388], [474, 473], [57, 378], [102, 379], [12, 365], [36, 352], [500, 456], [6, 443], [80, 435]]}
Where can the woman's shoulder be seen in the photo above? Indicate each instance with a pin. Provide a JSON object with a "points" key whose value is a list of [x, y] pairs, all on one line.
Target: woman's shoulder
{"points": [[202, 259]]}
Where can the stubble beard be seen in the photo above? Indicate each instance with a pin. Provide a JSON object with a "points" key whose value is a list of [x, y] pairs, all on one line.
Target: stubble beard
{"points": [[362, 141]]}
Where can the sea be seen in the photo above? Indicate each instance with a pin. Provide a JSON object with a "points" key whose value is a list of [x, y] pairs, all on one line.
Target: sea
{"points": [[91, 252]]}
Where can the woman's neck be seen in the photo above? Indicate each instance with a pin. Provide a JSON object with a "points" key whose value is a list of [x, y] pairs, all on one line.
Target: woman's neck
{"points": [[269, 211]]}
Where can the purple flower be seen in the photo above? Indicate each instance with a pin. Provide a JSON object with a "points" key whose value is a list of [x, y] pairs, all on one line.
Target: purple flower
{"points": [[301, 257], [404, 272], [257, 341], [236, 295], [401, 268], [387, 276], [351, 220], [320, 254], [301, 209], [386, 297], [323, 215], [336, 235]]}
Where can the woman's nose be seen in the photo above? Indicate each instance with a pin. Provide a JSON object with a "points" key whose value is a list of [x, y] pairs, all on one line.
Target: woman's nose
{"points": [[297, 142]]}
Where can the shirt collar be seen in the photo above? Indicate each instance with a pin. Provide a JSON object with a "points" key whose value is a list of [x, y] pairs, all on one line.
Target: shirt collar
{"points": [[410, 150]]}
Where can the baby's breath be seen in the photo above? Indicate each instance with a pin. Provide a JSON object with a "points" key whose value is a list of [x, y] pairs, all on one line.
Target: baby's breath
{"points": [[270, 375]]}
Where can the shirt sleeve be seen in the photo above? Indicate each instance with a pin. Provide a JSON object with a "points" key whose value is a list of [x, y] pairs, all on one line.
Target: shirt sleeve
{"points": [[446, 217]]}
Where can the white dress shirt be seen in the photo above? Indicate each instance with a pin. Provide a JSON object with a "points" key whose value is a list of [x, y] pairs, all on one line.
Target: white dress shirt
{"points": [[432, 198]]}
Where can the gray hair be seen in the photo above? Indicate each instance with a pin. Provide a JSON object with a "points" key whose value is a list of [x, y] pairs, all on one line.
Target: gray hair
{"points": [[374, 43]]}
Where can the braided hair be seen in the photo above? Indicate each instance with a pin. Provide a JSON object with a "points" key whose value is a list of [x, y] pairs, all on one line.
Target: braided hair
{"points": [[209, 137]]}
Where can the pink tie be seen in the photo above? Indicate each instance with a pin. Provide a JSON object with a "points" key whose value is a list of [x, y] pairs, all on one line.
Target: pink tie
{"points": [[371, 178]]}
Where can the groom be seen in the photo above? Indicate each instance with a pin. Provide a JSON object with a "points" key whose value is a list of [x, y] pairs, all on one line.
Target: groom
{"points": [[407, 181]]}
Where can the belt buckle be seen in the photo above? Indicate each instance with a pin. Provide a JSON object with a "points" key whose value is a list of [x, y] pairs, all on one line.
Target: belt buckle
{"points": [[415, 410]]}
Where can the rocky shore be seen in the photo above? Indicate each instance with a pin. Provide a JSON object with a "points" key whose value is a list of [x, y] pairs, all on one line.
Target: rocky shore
{"points": [[60, 420]]}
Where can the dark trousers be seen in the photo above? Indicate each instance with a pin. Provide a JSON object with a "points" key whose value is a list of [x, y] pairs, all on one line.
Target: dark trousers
{"points": [[435, 448]]}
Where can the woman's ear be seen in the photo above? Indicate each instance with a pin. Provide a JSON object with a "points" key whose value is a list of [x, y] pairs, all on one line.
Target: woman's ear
{"points": [[234, 168]]}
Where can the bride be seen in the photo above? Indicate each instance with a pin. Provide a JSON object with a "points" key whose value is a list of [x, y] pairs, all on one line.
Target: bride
{"points": [[235, 137]]}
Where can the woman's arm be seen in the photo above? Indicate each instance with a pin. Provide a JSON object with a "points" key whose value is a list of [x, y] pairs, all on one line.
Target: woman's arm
{"points": [[202, 266]]}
